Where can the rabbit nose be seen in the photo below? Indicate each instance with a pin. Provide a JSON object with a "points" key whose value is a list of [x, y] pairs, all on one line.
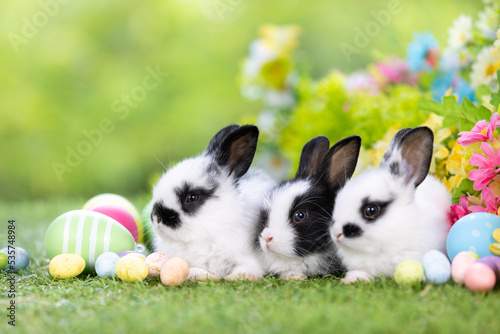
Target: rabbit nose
{"points": [[269, 239], [338, 235]]}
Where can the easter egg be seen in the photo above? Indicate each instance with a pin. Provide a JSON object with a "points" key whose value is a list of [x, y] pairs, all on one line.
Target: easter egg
{"points": [[474, 233], [155, 262], [437, 267], [3, 260], [174, 272], [131, 269], [120, 201], [21, 258], [140, 256], [105, 264], [493, 262], [147, 225], [479, 277], [120, 215], [88, 234], [66, 266], [460, 264], [409, 272]]}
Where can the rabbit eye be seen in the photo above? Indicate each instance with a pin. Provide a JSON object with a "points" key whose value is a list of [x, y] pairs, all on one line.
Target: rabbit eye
{"points": [[371, 211], [191, 198], [300, 216]]}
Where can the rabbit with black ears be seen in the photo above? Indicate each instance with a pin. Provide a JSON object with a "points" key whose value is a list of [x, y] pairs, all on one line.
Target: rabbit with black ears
{"points": [[293, 234], [205, 208], [392, 213]]}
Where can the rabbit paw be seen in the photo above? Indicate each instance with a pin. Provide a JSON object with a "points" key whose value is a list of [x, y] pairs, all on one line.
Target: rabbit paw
{"points": [[355, 276], [199, 274]]}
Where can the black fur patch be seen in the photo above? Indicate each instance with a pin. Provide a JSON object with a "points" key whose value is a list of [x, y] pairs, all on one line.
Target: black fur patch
{"points": [[394, 168], [259, 227], [165, 216], [313, 233], [352, 231], [203, 194], [382, 204]]}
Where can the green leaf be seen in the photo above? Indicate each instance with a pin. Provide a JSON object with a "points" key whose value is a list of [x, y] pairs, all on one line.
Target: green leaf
{"points": [[464, 189], [465, 115], [481, 91]]}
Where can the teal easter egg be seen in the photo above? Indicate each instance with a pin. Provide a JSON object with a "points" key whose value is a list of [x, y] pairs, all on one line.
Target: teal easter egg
{"points": [[21, 259], [148, 226], [473, 233], [105, 264], [88, 234], [437, 267]]}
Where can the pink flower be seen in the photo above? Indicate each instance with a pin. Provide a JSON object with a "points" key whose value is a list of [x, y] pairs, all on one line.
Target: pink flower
{"points": [[457, 211], [487, 166], [476, 134], [490, 201]]}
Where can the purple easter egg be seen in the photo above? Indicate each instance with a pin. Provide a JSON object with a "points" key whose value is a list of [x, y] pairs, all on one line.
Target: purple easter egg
{"points": [[493, 262]]}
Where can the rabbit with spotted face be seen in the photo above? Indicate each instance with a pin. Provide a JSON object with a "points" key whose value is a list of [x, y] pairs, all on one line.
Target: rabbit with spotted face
{"points": [[293, 234], [392, 213], [205, 208]]}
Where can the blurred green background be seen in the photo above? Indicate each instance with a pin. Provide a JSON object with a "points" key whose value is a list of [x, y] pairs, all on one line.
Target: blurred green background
{"points": [[66, 64]]}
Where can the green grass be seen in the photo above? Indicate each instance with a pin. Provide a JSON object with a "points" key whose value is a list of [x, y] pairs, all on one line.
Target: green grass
{"points": [[95, 305]]}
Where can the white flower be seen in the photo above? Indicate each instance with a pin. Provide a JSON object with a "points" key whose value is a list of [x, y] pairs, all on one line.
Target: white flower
{"points": [[485, 68], [488, 22], [260, 53], [460, 32], [279, 99]]}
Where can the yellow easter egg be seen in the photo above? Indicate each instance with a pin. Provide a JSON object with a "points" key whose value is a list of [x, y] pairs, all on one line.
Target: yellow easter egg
{"points": [[409, 272], [137, 255], [174, 272], [131, 269], [66, 266]]}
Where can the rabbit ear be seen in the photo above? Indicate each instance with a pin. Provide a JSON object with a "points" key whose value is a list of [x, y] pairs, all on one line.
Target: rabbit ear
{"points": [[234, 147], [340, 162], [409, 154], [312, 154]]}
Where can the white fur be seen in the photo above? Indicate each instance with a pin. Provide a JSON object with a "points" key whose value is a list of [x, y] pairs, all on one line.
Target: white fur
{"points": [[216, 241], [412, 225], [279, 254]]}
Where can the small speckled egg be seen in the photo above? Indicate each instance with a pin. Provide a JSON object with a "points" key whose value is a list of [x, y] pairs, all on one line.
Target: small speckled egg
{"points": [[155, 262], [21, 260], [137, 255], [479, 277], [3, 260], [409, 272], [131, 269], [66, 265], [460, 264], [437, 267], [174, 272], [105, 264], [474, 233]]}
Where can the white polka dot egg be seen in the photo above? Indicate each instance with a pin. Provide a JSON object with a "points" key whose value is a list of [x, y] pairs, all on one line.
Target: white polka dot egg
{"points": [[473, 233]]}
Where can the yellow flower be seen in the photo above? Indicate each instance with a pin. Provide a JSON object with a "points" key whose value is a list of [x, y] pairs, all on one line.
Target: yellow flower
{"points": [[375, 154], [434, 122]]}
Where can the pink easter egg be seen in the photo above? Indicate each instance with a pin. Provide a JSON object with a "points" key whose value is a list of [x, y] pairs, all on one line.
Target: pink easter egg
{"points": [[479, 277], [119, 214], [493, 262], [155, 262], [460, 264]]}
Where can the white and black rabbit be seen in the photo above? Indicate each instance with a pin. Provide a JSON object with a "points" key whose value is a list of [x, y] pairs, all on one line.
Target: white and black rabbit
{"points": [[293, 235], [206, 208], [392, 213]]}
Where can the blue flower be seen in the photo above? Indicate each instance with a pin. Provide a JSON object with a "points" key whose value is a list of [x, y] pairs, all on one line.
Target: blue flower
{"points": [[460, 87], [422, 52]]}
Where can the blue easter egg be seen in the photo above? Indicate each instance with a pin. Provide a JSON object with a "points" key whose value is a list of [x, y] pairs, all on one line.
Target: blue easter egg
{"points": [[105, 264], [437, 267], [473, 233], [21, 260]]}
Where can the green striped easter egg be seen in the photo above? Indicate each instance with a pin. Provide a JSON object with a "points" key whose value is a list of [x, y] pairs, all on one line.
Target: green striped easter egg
{"points": [[88, 234]]}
